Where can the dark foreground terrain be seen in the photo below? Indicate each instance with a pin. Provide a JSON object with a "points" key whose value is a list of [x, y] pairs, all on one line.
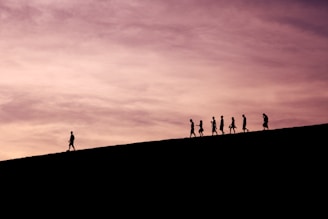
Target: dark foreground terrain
{"points": [[277, 173], [287, 151]]}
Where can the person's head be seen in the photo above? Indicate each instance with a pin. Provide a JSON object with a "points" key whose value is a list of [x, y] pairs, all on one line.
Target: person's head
{"points": [[71, 132]]}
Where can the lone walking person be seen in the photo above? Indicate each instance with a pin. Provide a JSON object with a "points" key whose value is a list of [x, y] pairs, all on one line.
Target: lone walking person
{"points": [[71, 142]]}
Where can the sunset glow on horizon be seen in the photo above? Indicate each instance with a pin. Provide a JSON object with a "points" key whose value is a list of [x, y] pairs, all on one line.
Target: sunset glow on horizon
{"points": [[125, 71]]}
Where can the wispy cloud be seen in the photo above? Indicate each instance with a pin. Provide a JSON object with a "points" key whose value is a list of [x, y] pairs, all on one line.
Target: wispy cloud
{"points": [[126, 71]]}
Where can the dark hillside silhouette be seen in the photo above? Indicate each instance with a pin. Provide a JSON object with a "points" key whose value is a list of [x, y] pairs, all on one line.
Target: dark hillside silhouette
{"points": [[265, 150], [260, 171]]}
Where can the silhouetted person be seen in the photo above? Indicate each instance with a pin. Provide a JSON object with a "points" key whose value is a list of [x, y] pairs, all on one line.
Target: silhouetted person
{"points": [[232, 125], [214, 126], [201, 130], [192, 128], [265, 122], [244, 123], [71, 142], [222, 125]]}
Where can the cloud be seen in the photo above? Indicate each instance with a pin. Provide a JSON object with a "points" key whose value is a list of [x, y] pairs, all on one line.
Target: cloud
{"points": [[126, 71]]}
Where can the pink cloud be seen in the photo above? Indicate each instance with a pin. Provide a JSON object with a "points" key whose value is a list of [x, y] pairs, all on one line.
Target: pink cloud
{"points": [[125, 71]]}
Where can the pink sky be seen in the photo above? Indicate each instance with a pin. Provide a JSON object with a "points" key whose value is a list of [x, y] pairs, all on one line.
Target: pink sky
{"points": [[126, 71]]}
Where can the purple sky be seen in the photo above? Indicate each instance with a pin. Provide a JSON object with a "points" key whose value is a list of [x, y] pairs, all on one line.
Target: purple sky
{"points": [[126, 71]]}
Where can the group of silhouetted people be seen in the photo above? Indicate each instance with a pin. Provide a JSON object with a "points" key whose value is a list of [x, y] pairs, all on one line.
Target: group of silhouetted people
{"points": [[232, 126]]}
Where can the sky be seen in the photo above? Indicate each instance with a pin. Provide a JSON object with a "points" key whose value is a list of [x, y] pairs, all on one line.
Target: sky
{"points": [[124, 71]]}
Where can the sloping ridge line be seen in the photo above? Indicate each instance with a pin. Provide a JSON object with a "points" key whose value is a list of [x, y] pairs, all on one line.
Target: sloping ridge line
{"points": [[268, 146]]}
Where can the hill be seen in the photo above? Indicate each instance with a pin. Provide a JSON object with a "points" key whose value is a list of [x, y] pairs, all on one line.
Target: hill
{"points": [[259, 150], [270, 172]]}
